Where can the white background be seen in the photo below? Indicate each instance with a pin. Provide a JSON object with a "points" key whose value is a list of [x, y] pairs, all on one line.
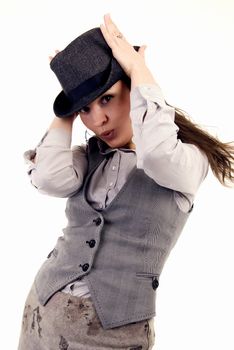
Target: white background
{"points": [[191, 52]]}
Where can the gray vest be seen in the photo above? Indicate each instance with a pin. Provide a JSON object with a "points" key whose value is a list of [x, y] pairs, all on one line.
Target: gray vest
{"points": [[119, 251]]}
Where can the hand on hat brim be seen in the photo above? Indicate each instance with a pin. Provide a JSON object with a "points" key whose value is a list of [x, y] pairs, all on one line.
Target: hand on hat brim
{"points": [[122, 50]]}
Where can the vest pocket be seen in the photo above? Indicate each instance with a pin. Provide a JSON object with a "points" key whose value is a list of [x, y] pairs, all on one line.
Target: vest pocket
{"points": [[153, 278], [146, 274]]}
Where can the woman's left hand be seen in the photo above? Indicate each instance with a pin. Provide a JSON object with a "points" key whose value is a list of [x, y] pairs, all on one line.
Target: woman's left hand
{"points": [[125, 54]]}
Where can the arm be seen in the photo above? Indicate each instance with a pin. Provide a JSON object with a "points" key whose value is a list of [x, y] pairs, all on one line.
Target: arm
{"points": [[167, 160], [171, 163], [63, 123], [54, 168]]}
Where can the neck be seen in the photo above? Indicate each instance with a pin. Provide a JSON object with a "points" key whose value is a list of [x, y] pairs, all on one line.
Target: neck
{"points": [[130, 145]]}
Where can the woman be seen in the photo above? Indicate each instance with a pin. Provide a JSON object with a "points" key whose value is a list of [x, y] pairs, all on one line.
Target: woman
{"points": [[130, 191]]}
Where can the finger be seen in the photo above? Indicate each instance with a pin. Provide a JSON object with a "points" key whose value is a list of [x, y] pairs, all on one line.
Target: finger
{"points": [[111, 33], [106, 35], [51, 57], [141, 50], [112, 27]]}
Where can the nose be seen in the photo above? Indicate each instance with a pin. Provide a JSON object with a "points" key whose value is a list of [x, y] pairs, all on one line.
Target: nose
{"points": [[99, 116]]}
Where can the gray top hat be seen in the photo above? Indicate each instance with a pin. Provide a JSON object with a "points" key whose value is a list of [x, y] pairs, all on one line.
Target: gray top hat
{"points": [[85, 69]]}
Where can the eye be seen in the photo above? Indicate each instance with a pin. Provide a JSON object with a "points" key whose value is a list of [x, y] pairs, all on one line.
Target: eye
{"points": [[106, 99], [84, 110]]}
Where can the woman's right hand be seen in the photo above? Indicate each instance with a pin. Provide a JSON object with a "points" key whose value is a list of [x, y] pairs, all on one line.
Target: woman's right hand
{"points": [[55, 53]]}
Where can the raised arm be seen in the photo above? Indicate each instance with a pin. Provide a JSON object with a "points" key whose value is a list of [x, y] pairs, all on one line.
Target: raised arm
{"points": [[171, 163], [54, 168]]}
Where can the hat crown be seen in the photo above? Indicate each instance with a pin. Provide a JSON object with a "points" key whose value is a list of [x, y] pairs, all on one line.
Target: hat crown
{"points": [[86, 68], [83, 58]]}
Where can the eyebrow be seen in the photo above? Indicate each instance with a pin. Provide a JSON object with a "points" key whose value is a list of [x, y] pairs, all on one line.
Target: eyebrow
{"points": [[107, 92]]}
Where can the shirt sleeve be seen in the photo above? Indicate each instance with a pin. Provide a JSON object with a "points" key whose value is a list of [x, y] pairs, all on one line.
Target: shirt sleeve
{"points": [[54, 167], [171, 163]]}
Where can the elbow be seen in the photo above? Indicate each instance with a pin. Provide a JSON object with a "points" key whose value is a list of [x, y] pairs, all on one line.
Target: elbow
{"points": [[50, 185]]}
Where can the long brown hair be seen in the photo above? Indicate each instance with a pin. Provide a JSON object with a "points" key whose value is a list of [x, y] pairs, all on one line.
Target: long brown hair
{"points": [[220, 155]]}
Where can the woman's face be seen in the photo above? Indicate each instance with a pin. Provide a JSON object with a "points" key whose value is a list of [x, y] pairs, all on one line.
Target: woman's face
{"points": [[108, 116]]}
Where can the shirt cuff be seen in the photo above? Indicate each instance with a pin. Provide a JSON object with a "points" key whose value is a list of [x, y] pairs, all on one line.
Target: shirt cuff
{"points": [[140, 94], [28, 158]]}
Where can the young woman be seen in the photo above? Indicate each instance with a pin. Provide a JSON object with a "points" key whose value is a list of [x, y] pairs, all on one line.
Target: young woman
{"points": [[130, 191]]}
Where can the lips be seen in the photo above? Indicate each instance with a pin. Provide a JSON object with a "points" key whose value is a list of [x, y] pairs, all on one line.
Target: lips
{"points": [[108, 135]]}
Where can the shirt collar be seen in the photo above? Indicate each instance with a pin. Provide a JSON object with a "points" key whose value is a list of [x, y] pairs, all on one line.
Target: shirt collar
{"points": [[105, 149]]}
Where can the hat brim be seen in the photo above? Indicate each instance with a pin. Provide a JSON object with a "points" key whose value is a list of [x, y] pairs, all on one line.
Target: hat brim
{"points": [[65, 107]]}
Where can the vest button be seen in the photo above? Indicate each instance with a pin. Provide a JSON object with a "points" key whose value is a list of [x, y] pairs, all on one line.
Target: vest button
{"points": [[97, 221], [85, 267], [91, 243], [155, 284]]}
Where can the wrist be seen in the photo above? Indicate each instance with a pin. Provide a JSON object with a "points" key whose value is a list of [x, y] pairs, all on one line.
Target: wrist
{"points": [[140, 74], [64, 123]]}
